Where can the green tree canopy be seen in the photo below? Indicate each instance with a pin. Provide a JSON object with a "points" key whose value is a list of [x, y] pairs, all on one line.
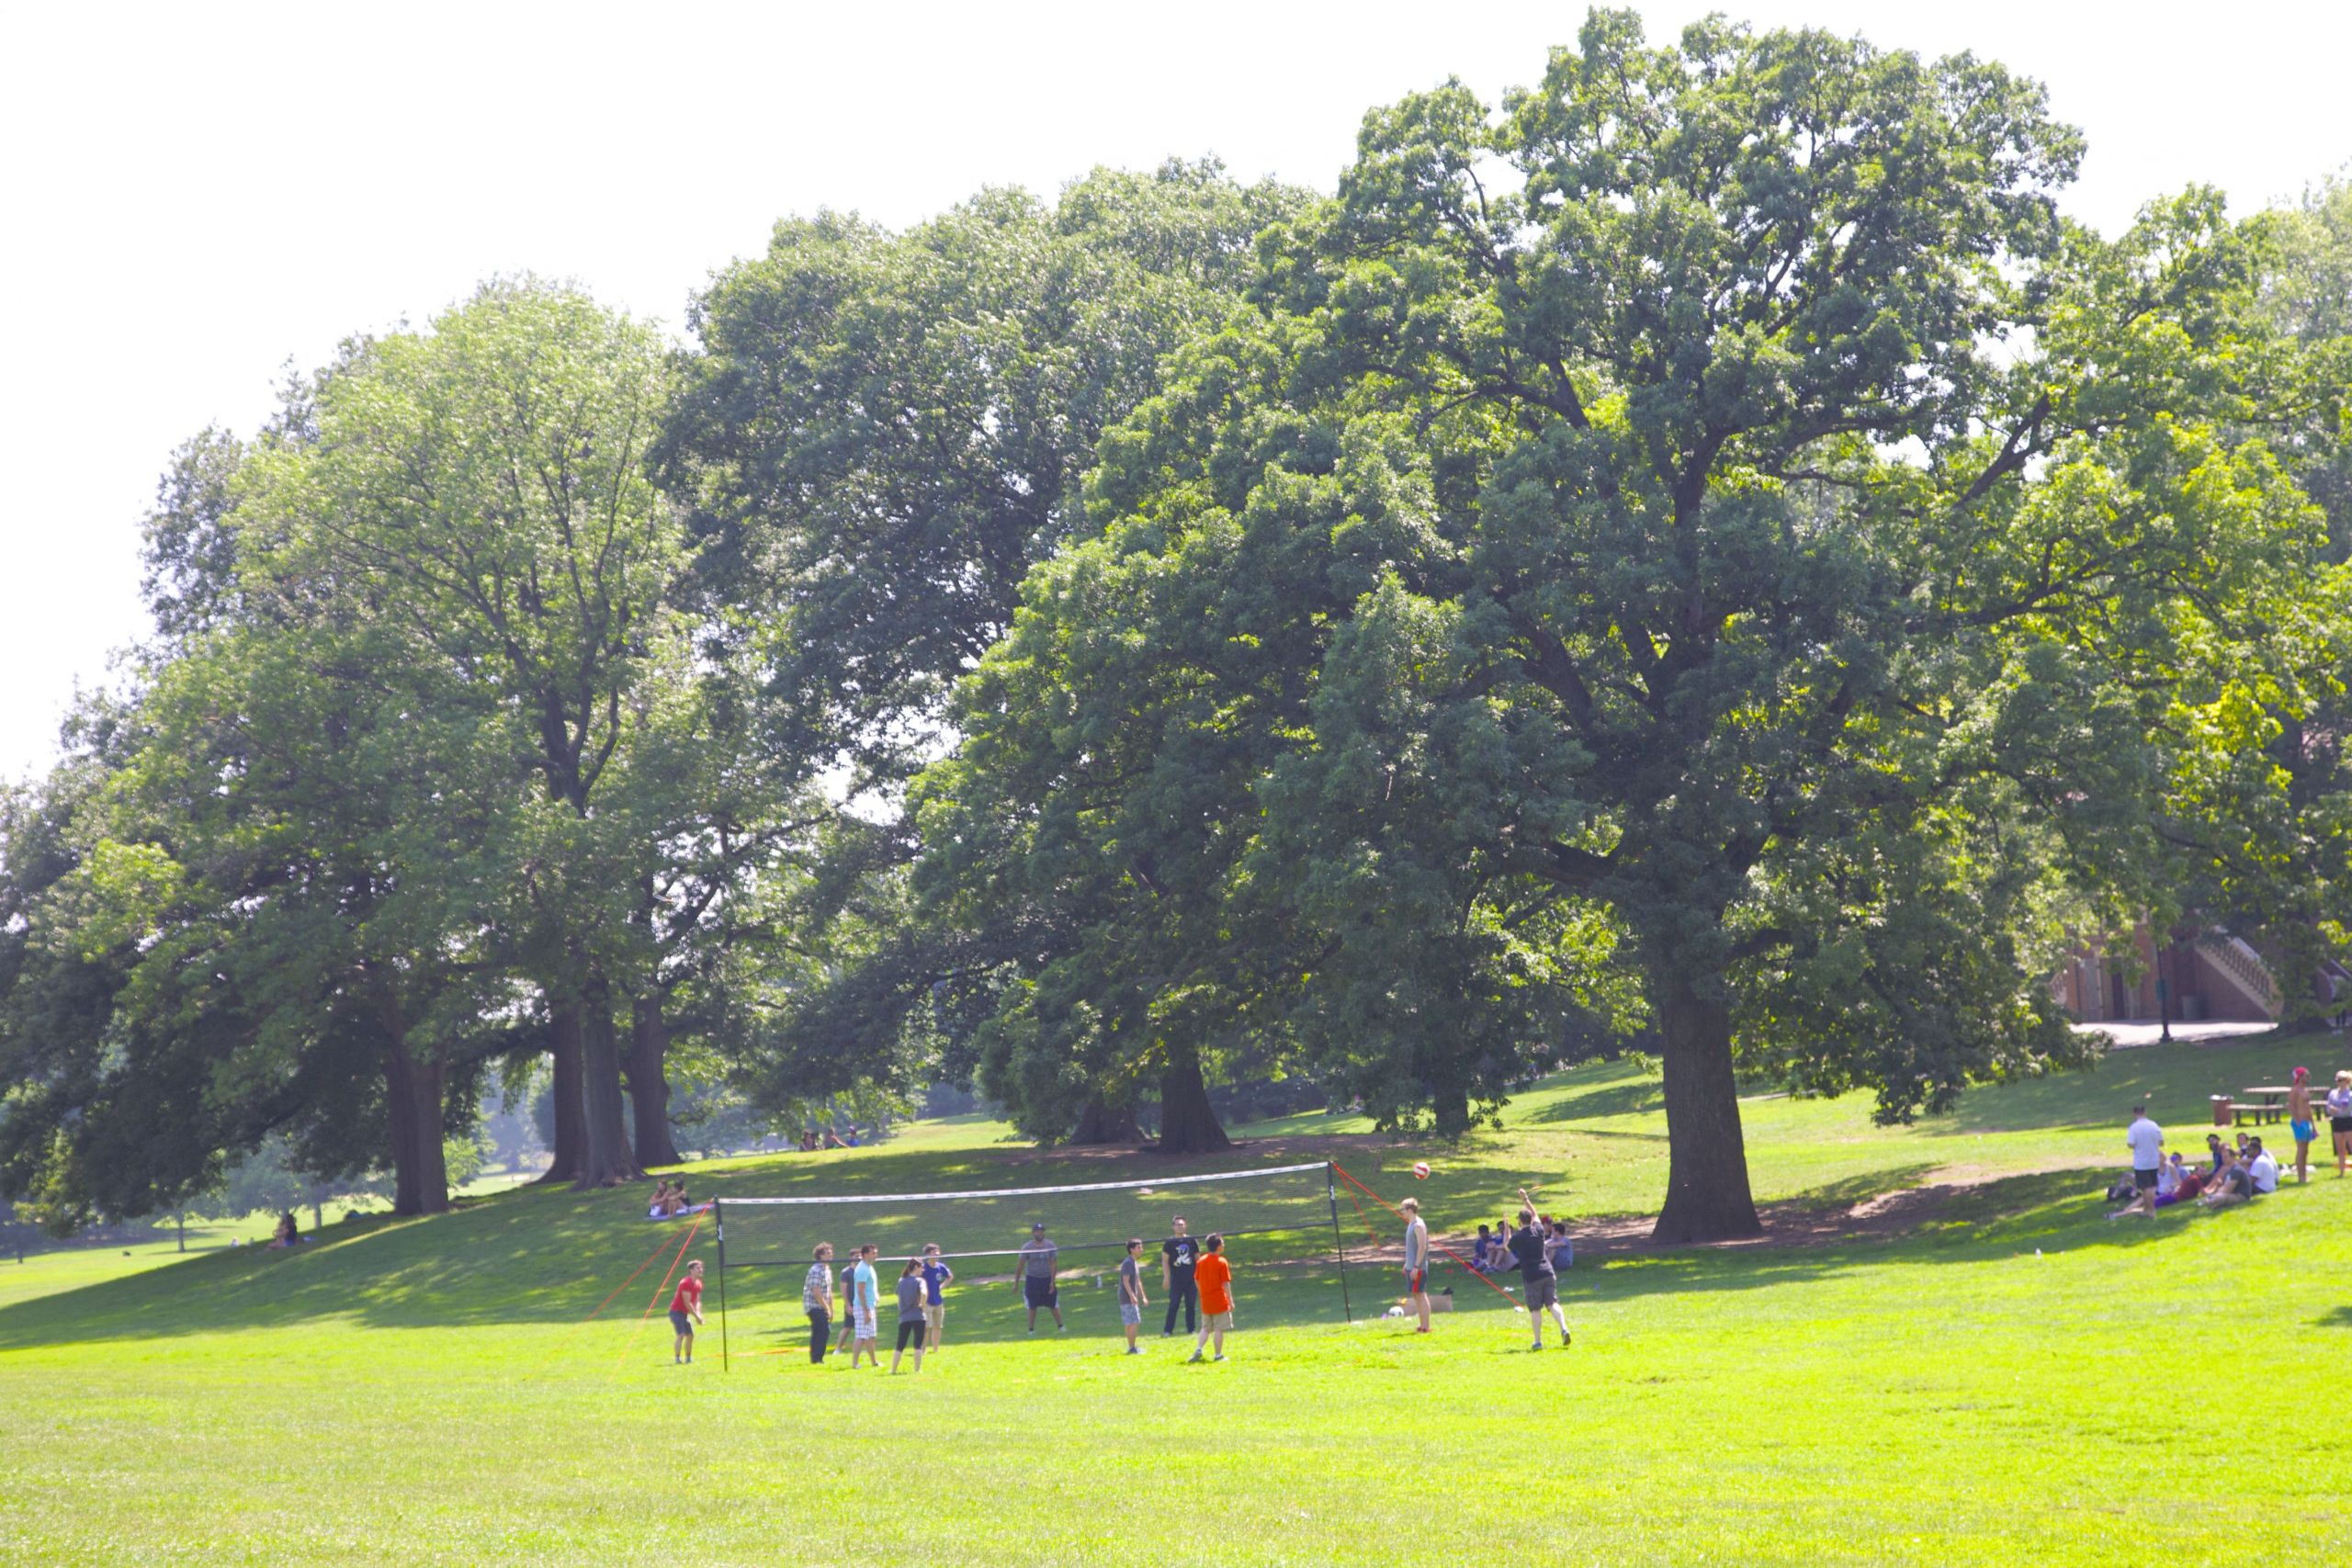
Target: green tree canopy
{"points": [[1710, 524]]}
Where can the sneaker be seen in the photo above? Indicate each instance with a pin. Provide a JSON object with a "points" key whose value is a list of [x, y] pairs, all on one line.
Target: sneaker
{"points": [[1537, 1346], [1217, 1357], [1194, 1356], [1135, 1349]]}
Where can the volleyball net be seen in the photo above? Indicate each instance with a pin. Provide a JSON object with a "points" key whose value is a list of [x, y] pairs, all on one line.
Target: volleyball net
{"points": [[1277, 1217]]}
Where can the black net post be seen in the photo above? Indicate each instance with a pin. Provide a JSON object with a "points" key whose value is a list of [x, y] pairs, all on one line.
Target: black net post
{"points": [[718, 1218], [1338, 1246]]}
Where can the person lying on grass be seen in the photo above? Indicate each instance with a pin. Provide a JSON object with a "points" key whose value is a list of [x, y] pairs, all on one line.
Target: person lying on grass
{"points": [[2186, 1186], [685, 1310]]}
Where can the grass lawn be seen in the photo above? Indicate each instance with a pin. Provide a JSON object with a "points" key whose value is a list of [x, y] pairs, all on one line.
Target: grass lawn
{"points": [[2012, 1379]]}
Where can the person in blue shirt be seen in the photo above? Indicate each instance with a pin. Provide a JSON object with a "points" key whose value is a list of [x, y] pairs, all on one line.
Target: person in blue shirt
{"points": [[864, 1298], [936, 1277]]}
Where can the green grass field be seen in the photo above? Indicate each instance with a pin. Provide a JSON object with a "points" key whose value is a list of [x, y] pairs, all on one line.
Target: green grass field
{"points": [[2008, 1378]]}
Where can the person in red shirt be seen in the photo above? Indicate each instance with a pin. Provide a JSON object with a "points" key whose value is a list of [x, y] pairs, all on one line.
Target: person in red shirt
{"points": [[685, 1310], [1214, 1275]]}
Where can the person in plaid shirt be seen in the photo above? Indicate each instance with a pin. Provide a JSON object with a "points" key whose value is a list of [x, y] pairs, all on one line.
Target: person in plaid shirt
{"points": [[817, 1301]]}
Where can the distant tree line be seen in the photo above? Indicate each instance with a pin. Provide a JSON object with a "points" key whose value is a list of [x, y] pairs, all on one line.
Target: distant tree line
{"points": [[1703, 553]]}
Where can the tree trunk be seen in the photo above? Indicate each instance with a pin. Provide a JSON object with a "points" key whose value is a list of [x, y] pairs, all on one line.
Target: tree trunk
{"points": [[183, 1230], [1188, 1124], [649, 1087], [1450, 1111], [420, 1170], [1707, 1196], [1101, 1122], [604, 1158], [400, 1107], [571, 1113]]}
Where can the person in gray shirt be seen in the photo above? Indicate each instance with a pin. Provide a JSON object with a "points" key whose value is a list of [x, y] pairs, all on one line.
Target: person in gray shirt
{"points": [[914, 1328], [1036, 1277]]}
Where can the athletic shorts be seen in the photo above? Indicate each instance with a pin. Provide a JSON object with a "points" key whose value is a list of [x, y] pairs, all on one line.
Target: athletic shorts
{"points": [[910, 1333], [2339, 1123], [1217, 1322], [1040, 1292], [1416, 1280], [2303, 1131], [1544, 1291], [681, 1323], [934, 1315], [1130, 1313], [2144, 1179]]}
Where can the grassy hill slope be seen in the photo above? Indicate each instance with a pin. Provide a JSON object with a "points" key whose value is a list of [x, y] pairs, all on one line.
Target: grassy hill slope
{"points": [[2011, 1378]]}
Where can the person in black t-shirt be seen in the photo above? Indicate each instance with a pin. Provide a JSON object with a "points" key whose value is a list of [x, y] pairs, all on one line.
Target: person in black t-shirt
{"points": [[1539, 1282], [1178, 1254]]}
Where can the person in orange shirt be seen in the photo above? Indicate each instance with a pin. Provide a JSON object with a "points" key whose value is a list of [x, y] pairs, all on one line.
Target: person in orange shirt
{"points": [[1214, 1277]]}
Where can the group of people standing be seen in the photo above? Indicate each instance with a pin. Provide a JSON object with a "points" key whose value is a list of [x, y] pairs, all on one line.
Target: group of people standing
{"points": [[1532, 1246], [922, 1304]]}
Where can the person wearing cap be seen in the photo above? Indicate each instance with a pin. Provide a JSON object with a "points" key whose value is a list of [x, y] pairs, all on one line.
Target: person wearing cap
{"points": [[1036, 1277], [2300, 1122]]}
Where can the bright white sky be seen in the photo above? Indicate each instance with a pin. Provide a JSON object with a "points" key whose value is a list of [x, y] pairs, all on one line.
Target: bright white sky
{"points": [[192, 197]]}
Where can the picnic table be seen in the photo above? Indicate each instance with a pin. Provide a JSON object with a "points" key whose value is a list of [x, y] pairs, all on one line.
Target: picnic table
{"points": [[2272, 1098]]}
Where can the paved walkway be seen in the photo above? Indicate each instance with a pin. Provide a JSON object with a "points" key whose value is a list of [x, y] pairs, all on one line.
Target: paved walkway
{"points": [[2148, 1031]]}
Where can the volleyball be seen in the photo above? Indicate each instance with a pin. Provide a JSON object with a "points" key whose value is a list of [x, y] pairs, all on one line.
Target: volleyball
{"points": [[1420, 1170]]}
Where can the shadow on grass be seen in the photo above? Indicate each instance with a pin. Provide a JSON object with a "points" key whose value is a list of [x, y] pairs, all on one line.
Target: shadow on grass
{"points": [[1861, 1186], [2048, 1211], [2337, 1317], [2175, 1082], [548, 1256], [1625, 1096]]}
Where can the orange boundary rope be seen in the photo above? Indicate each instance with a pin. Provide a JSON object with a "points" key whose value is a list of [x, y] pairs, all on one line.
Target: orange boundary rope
{"points": [[685, 1242], [1460, 1261]]}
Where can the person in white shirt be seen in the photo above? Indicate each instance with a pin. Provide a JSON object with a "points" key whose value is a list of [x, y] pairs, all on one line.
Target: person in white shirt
{"points": [[2147, 1144], [2264, 1167], [2168, 1176]]}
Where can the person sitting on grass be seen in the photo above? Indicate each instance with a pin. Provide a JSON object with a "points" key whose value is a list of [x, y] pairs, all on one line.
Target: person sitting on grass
{"points": [[2213, 1148], [1481, 1252], [2232, 1184], [288, 1232], [2263, 1168], [1214, 1275], [1131, 1297], [2168, 1174], [911, 1325], [685, 1310], [1564, 1251], [2189, 1184]]}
